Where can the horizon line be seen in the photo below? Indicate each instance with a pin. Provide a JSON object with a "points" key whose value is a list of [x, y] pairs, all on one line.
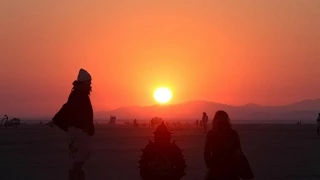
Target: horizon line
{"points": [[208, 101], [169, 104]]}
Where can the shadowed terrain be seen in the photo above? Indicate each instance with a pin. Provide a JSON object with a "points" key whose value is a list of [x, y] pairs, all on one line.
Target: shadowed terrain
{"points": [[35, 152]]}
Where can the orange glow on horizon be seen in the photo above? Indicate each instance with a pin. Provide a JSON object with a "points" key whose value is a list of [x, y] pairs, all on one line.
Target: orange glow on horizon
{"points": [[233, 52]]}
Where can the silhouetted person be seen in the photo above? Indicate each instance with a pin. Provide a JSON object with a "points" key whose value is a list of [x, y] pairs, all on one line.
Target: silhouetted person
{"points": [[161, 159], [318, 124], [4, 119], [135, 122], [197, 122], [205, 122], [76, 117], [222, 153]]}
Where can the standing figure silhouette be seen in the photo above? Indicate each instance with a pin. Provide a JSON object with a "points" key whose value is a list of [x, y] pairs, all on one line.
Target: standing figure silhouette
{"points": [[76, 117], [222, 153], [205, 120]]}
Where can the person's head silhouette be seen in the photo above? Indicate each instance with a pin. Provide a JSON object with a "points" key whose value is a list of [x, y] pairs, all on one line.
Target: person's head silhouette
{"points": [[83, 82], [221, 121], [162, 134]]}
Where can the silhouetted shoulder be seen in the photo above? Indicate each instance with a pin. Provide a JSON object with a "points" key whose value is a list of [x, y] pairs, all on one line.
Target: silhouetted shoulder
{"points": [[150, 145], [235, 134], [174, 145]]}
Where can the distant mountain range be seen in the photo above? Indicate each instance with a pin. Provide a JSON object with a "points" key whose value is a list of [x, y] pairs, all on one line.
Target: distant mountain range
{"points": [[192, 110]]}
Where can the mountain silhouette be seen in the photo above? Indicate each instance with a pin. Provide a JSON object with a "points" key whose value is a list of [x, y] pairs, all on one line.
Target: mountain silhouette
{"points": [[304, 110]]}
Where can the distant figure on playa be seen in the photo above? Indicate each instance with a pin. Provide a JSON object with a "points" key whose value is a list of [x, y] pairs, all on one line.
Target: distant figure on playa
{"points": [[135, 122], [161, 159], [318, 124], [76, 117], [4, 119], [197, 122], [223, 154], [205, 122]]}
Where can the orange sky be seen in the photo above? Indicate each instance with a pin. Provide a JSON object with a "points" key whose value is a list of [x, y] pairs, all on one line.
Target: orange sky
{"points": [[234, 52]]}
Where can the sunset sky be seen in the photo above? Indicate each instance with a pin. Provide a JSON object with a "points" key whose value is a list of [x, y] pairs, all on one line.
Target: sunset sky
{"points": [[233, 52]]}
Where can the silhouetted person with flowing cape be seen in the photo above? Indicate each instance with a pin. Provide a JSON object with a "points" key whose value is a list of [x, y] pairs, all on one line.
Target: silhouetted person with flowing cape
{"points": [[161, 159], [76, 117], [223, 154]]}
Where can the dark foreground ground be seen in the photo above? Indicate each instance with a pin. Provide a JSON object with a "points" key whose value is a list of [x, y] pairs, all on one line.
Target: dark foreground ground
{"points": [[35, 152]]}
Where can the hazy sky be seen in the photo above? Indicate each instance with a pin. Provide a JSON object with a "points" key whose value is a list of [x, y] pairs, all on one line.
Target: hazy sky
{"points": [[231, 51]]}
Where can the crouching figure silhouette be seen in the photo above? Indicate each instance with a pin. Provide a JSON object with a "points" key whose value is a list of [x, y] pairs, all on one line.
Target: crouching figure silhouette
{"points": [[161, 159]]}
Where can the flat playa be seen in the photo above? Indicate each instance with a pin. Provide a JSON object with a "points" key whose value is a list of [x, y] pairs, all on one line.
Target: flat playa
{"points": [[36, 152]]}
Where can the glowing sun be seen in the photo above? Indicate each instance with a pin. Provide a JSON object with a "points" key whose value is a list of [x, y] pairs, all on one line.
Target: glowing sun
{"points": [[162, 95]]}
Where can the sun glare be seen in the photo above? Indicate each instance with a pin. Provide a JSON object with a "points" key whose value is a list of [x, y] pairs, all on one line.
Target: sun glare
{"points": [[162, 95]]}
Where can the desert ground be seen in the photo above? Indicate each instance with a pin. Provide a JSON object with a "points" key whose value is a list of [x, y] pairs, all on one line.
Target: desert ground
{"points": [[275, 151]]}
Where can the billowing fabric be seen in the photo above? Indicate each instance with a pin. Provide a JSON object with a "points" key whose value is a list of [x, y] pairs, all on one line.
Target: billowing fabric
{"points": [[80, 112], [77, 112], [60, 118], [79, 144]]}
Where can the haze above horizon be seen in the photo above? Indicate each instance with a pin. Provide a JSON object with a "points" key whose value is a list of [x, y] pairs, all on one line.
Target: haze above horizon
{"points": [[231, 52]]}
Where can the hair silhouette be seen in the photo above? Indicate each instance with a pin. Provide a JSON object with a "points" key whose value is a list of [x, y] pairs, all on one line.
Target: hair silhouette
{"points": [[221, 121]]}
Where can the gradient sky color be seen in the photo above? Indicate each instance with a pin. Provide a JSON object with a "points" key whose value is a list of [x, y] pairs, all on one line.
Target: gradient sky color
{"points": [[234, 52]]}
